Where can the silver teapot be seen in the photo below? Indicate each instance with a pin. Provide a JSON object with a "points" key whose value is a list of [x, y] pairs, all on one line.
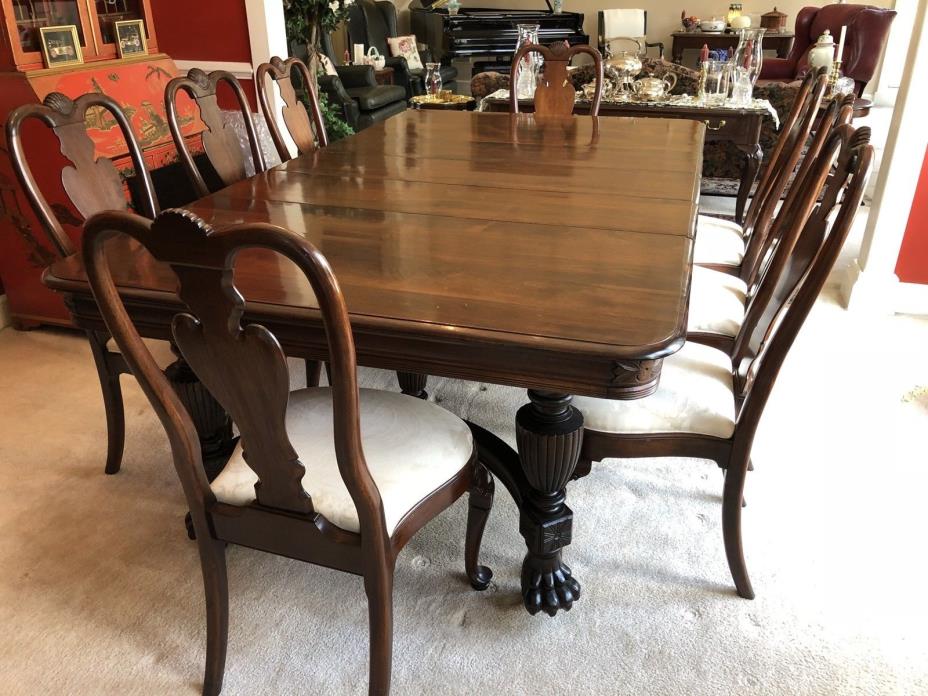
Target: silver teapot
{"points": [[627, 65], [654, 88]]}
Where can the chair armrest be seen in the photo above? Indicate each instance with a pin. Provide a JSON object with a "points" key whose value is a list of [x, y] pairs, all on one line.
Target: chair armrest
{"points": [[402, 77], [356, 75], [658, 45], [777, 69], [339, 99], [334, 89]]}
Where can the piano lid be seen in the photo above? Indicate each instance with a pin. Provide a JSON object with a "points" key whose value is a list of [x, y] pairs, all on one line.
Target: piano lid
{"points": [[428, 5]]}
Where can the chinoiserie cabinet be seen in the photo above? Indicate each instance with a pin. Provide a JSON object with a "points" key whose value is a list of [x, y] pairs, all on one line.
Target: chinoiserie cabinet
{"points": [[136, 82]]}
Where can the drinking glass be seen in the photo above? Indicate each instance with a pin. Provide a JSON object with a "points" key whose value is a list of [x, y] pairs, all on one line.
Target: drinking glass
{"points": [[750, 52], [742, 91], [713, 82]]}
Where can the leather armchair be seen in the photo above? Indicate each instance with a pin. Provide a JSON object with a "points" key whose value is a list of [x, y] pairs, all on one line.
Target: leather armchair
{"points": [[355, 92], [371, 22], [867, 31]]}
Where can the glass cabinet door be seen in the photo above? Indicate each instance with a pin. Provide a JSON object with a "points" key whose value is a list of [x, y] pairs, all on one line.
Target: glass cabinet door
{"points": [[111, 11], [32, 15]]}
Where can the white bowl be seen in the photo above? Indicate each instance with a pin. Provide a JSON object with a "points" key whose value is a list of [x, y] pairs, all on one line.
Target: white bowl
{"points": [[712, 25]]}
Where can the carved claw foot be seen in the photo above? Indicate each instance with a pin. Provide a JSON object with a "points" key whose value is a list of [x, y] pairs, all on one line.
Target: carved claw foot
{"points": [[548, 585]]}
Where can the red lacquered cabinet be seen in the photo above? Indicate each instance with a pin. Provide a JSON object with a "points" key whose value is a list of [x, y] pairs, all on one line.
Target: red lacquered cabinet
{"points": [[137, 83]]}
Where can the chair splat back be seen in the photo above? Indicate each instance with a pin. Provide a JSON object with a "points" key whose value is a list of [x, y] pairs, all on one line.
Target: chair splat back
{"points": [[799, 269], [555, 93], [836, 115], [244, 367], [219, 140], [93, 184], [299, 122], [784, 167]]}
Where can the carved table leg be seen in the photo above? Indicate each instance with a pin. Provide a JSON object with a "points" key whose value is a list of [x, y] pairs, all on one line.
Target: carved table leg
{"points": [[549, 432], [413, 384], [213, 424], [752, 161]]}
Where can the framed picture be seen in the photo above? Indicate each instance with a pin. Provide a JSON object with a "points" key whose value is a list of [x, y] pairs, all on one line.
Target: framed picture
{"points": [[130, 38], [61, 46]]}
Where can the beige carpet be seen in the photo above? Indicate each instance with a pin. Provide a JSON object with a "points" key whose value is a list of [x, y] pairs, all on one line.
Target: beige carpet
{"points": [[100, 590]]}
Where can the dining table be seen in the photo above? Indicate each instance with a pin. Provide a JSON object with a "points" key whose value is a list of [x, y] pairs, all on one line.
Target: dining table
{"points": [[550, 254]]}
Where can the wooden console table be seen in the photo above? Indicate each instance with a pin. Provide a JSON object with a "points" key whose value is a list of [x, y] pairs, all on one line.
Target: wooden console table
{"points": [[739, 126], [781, 42]]}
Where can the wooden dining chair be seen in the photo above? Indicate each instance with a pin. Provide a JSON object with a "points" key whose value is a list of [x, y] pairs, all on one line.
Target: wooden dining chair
{"points": [[306, 128], [379, 465], [220, 140], [717, 299], [92, 184], [723, 244], [555, 94], [708, 404]]}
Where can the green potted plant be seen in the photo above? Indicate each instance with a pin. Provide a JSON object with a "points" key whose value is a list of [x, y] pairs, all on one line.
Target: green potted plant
{"points": [[306, 20]]}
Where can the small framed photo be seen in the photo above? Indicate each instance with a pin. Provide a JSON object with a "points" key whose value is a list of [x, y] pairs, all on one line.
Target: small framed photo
{"points": [[130, 38], [61, 46]]}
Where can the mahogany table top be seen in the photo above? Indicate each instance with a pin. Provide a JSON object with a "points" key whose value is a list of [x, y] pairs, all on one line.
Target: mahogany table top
{"points": [[475, 230]]}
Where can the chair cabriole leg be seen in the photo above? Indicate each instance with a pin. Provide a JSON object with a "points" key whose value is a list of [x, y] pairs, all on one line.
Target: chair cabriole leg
{"points": [[479, 505], [379, 589], [216, 587], [732, 499], [112, 401]]}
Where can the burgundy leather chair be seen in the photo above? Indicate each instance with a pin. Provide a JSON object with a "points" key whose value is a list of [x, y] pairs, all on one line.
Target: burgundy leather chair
{"points": [[867, 30]]}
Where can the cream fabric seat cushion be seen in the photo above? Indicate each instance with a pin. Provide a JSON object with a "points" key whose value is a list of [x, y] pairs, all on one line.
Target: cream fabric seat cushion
{"points": [[694, 395], [717, 302], [718, 242], [412, 448]]}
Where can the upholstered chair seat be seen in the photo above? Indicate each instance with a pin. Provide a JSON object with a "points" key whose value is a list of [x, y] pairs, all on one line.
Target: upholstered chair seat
{"points": [[717, 302], [695, 395], [718, 242], [412, 448]]}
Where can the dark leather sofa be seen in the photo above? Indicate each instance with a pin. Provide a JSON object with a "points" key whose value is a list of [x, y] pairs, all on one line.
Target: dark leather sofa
{"points": [[355, 92], [371, 22], [867, 31]]}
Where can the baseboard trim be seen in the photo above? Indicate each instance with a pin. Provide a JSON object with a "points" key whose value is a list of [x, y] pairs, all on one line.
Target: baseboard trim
{"points": [[912, 298], [868, 291], [5, 319]]}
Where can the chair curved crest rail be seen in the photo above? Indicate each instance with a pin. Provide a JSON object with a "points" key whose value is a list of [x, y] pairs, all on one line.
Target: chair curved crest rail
{"points": [[219, 140], [245, 368], [555, 94], [306, 128], [93, 185], [805, 256]]}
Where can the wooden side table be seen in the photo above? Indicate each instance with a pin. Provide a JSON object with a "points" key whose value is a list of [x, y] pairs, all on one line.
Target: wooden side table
{"points": [[781, 42], [384, 77]]}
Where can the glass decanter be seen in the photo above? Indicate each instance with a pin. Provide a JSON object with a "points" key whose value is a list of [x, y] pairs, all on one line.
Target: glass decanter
{"points": [[531, 64], [750, 52], [433, 79]]}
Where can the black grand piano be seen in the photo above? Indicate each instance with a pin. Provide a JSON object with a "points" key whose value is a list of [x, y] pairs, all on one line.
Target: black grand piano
{"points": [[489, 36]]}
